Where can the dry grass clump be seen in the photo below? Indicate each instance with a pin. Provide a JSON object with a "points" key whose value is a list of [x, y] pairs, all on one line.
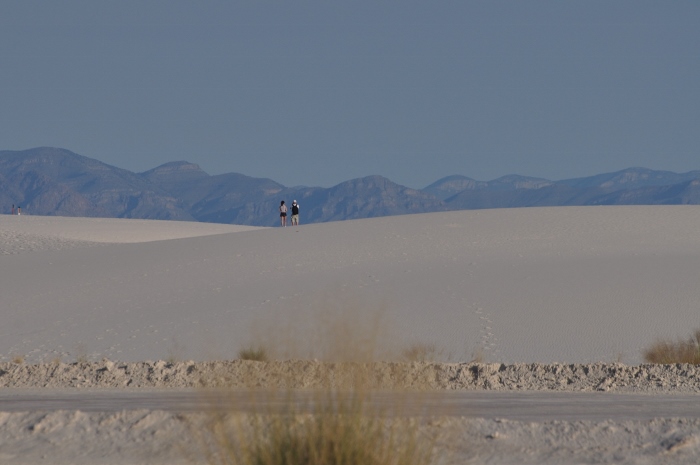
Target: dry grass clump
{"points": [[81, 354], [257, 354], [331, 429], [665, 352], [337, 422], [420, 352]]}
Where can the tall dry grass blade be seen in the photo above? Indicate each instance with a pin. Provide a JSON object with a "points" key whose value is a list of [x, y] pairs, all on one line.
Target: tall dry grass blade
{"points": [[666, 352], [335, 423]]}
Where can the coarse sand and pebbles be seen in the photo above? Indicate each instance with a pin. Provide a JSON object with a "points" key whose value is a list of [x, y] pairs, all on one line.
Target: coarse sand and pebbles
{"points": [[681, 378], [153, 436]]}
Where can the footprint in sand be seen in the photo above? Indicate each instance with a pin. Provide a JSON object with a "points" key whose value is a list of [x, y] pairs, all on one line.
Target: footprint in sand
{"points": [[487, 340]]}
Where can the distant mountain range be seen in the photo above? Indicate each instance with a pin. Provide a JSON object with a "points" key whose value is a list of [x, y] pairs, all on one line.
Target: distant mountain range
{"points": [[53, 181]]}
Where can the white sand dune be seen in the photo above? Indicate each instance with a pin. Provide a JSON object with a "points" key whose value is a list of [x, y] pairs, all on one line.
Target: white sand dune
{"points": [[523, 285], [24, 233]]}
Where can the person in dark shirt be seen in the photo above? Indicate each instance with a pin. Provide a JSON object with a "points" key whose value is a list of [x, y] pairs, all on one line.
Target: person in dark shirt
{"points": [[295, 213]]}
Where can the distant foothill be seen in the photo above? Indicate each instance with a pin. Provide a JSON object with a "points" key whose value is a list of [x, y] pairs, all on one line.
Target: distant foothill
{"points": [[54, 181]]}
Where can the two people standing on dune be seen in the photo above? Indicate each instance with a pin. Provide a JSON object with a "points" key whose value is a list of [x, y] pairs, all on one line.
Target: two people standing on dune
{"points": [[283, 214]]}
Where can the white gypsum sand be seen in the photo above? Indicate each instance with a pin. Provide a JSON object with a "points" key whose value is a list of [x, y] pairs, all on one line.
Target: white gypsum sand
{"points": [[127, 432], [589, 284], [25, 233], [571, 285], [144, 437]]}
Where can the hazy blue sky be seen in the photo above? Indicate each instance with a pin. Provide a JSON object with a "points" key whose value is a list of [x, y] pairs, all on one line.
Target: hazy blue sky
{"points": [[319, 92]]}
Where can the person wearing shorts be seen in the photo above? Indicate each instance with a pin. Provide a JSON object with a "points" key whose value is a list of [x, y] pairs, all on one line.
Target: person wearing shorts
{"points": [[283, 214]]}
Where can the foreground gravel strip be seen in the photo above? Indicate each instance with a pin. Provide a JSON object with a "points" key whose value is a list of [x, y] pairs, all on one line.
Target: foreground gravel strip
{"points": [[154, 437], [140, 437], [610, 377]]}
